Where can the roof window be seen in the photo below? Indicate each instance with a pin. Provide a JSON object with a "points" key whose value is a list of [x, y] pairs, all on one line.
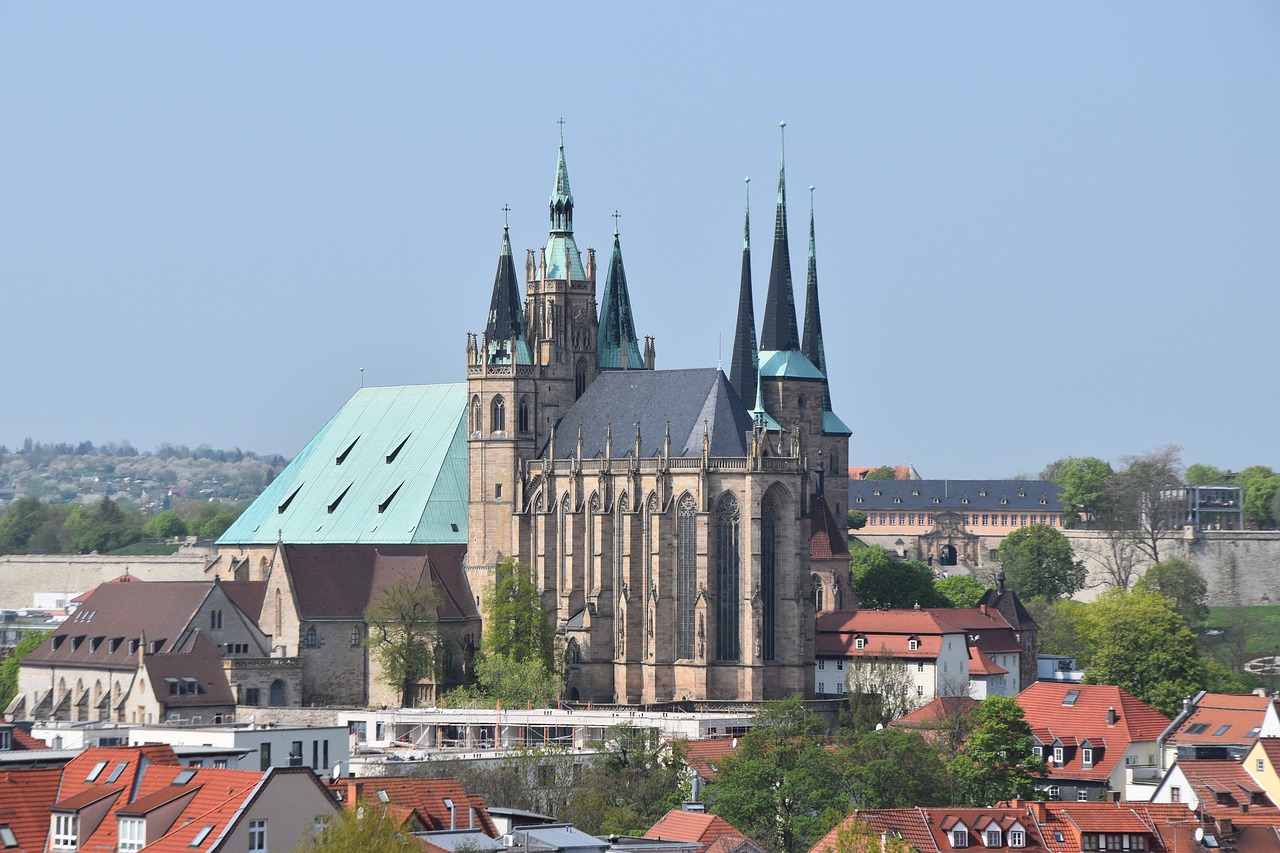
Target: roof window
{"points": [[1197, 728], [1070, 698], [202, 835], [7, 838], [96, 771], [115, 774], [342, 457], [382, 507], [339, 498], [1253, 732], [1222, 730], [184, 777], [391, 457], [289, 500]]}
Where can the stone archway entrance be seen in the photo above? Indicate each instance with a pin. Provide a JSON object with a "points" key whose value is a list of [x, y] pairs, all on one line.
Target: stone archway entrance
{"points": [[947, 555]]}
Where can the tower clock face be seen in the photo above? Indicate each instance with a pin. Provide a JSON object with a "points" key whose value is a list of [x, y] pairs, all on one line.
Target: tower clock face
{"points": [[579, 313]]}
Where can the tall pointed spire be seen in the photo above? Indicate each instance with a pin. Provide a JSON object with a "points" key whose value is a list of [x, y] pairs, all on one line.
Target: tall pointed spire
{"points": [[506, 309], [616, 343], [564, 262], [561, 197], [780, 332], [744, 363], [812, 346]]}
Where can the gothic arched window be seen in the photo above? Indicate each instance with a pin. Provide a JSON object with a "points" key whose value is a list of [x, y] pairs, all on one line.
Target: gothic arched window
{"points": [[579, 378], [498, 415], [768, 578], [524, 414], [819, 594], [593, 564], [686, 574], [728, 595], [476, 424]]}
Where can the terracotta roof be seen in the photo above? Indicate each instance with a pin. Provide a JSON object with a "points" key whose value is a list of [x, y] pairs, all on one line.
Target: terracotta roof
{"points": [[942, 709], [21, 739], [890, 632], [1223, 787], [980, 664], [25, 798], [340, 580], [827, 540], [704, 756], [1055, 716], [1219, 718], [425, 797], [1271, 746], [701, 827]]}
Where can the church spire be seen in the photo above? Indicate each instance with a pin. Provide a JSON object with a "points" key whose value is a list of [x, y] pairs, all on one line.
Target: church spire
{"points": [[812, 346], [744, 364], [616, 344], [506, 312], [780, 332], [561, 197]]}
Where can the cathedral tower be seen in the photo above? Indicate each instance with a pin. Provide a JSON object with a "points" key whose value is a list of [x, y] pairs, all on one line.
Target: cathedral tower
{"points": [[744, 364]]}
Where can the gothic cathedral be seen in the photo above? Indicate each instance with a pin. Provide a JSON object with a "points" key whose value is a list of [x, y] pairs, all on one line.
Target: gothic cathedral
{"points": [[680, 524]]}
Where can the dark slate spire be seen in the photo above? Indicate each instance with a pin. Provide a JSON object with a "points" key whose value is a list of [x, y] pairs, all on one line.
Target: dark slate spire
{"points": [[616, 344], [744, 364], [506, 309], [561, 197], [812, 346], [780, 331]]}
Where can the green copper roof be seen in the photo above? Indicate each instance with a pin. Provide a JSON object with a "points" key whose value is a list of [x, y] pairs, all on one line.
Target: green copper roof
{"points": [[506, 312], [389, 468], [617, 331], [561, 198], [557, 245], [789, 363], [832, 425]]}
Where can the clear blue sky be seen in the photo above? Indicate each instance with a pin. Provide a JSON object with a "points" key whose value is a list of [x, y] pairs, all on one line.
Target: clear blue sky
{"points": [[1043, 228]]}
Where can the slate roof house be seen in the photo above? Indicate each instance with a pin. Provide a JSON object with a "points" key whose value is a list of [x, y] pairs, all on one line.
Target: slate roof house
{"points": [[668, 517]]}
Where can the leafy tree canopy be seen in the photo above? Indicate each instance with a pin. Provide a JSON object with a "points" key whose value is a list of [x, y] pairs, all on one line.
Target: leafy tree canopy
{"points": [[368, 828], [516, 625], [888, 583], [165, 525], [402, 622], [1083, 480], [995, 763], [884, 472], [1142, 644], [1180, 582], [894, 769], [1038, 563], [1261, 485], [1205, 475], [960, 590], [857, 519], [1064, 628], [30, 641]]}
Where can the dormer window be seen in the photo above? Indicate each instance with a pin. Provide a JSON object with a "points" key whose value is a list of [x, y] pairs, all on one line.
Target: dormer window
{"points": [[992, 837], [860, 643], [959, 837], [1037, 751], [1086, 756], [1043, 502], [982, 493], [937, 500], [131, 833], [1004, 501], [913, 645], [1057, 755], [858, 499], [65, 833], [875, 491], [1021, 493], [964, 500], [915, 493], [1017, 838], [897, 500]]}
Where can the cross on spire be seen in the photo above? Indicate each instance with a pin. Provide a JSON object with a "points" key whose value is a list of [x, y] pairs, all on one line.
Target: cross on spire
{"points": [[616, 217], [506, 209], [561, 123]]}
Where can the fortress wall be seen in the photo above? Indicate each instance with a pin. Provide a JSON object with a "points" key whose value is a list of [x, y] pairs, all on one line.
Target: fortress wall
{"points": [[21, 577]]}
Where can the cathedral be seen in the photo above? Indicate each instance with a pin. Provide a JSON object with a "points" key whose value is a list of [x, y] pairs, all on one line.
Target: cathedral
{"points": [[681, 524]]}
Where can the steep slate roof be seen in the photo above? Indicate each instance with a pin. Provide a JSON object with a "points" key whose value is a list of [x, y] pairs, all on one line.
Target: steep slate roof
{"points": [[506, 310], [745, 360], [988, 630], [338, 581], [1007, 603], [389, 467], [616, 335], [1219, 719], [25, 798], [1086, 719], [964, 495], [780, 331], [161, 610], [655, 398]]}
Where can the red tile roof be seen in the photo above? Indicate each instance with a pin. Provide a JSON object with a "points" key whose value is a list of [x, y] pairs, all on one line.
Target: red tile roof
{"points": [[704, 756], [425, 797], [698, 827], [25, 798], [1224, 786], [827, 539], [1052, 720], [1220, 718], [940, 710]]}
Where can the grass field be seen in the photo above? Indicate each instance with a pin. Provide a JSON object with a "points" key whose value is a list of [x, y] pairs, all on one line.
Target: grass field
{"points": [[1261, 626]]}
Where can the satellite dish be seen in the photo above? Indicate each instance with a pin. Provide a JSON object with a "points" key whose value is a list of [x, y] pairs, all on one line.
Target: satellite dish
{"points": [[337, 772], [1199, 834]]}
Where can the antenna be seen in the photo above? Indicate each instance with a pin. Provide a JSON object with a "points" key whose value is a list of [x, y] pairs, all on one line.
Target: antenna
{"points": [[362, 377]]}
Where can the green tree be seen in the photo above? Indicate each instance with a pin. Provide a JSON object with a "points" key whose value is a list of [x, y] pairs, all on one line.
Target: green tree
{"points": [[887, 583], [402, 622], [633, 780], [1064, 628], [516, 624], [995, 763], [783, 786], [1144, 500], [1142, 644], [105, 528], [878, 689], [1180, 582], [368, 828], [1083, 480], [514, 683], [884, 472], [857, 836], [960, 590], [30, 641], [894, 769], [19, 523], [1260, 485], [857, 519], [1205, 475], [165, 525], [1038, 563]]}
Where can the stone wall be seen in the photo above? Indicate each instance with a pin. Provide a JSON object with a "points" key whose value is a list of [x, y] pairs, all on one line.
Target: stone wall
{"points": [[21, 577]]}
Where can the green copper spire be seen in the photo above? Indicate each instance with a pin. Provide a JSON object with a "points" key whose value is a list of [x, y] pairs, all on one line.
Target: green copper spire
{"points": [[564, 262], [506, 311], [744, 361], [812, 346], [780, 331], [616, 344], [561, 197]]}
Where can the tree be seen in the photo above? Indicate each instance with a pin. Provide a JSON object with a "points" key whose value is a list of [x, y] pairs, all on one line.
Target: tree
{"points": [[854, 835], [783, 786], [1038, 563], [367, 828], [879, 689], [516, 623], [1180, 582], [514, 683], [1143, 645], [1260, 485], [886, 583], [894, 769], [960, 590], [884, 472], [30, 641], [1115, 552], [1064, 628], [1144, 500], [995, 763], [1205, 475], [402, 622], [19, 523], [165, 525], [632, 781], [1083, 480], [857, 519]]}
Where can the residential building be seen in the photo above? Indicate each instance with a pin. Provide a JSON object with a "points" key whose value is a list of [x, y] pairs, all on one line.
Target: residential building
{"points": [[435, 805], [1216, 725], [712, 833], [941, 720], [1096, 739], [1221, 789], [1262, 762], [246, 746]]}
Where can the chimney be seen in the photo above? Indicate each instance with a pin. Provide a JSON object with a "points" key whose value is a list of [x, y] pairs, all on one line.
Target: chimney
{"points": [[354, 789], [1039, 811], [1111, 716], [983, 608], [1224, 826], [448, 804]]}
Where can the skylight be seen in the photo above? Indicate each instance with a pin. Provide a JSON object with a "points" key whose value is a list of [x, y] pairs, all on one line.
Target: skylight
{"points": [[1198, 728], [1222, 730], [1253, 732], [1071, 697], [96, 771], [184, 777], [7, 838], [115, 774], [202, 835]]}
